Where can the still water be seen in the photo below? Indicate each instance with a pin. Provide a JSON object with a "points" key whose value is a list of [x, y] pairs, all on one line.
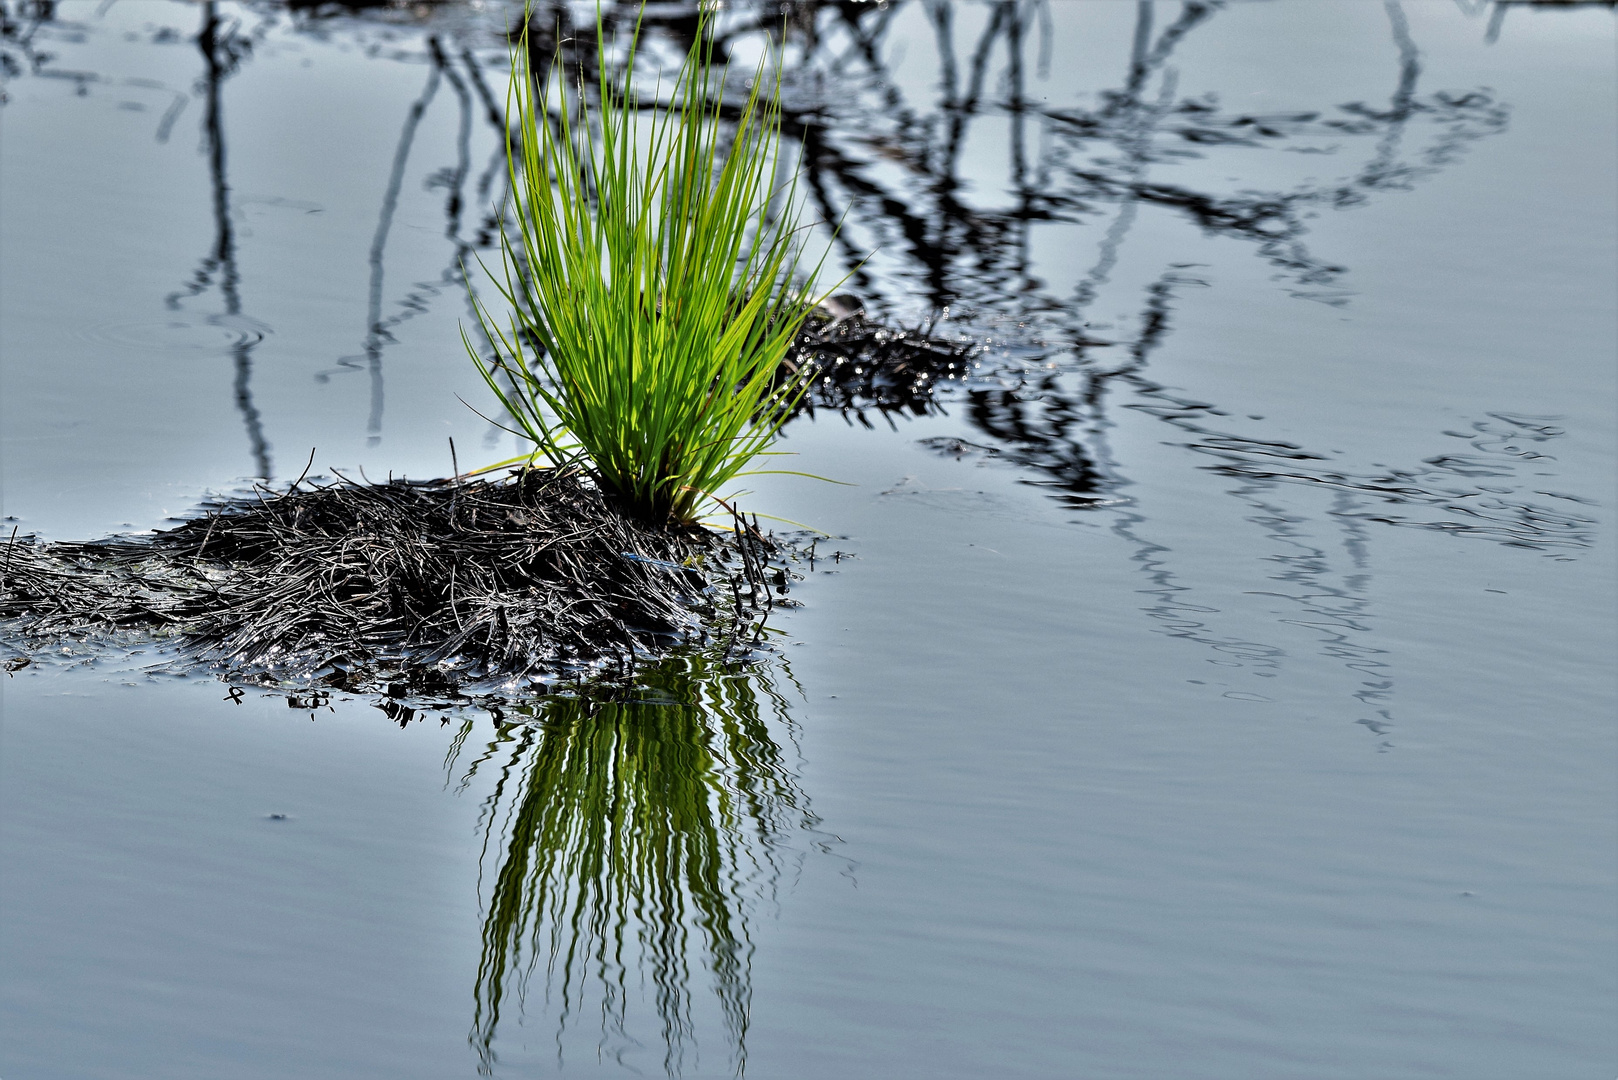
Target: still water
{"points": [[1218, 684]]}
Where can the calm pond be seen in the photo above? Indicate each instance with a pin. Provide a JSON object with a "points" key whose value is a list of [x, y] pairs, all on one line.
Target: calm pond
{"points": [[1216, 682]]}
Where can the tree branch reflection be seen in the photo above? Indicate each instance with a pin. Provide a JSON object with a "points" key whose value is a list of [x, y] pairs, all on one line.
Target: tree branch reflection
{"points": [[223, 50]]}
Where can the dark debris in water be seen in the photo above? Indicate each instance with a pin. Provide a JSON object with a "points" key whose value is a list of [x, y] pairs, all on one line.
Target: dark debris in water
{"points": [[408, 588], [864, 365]]}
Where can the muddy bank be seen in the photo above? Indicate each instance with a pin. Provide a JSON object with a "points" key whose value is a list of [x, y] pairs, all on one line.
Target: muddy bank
{"points": [[404, 586]]}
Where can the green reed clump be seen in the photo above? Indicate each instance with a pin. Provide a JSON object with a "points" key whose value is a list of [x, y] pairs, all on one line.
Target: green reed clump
{"points": [[651, 291]]}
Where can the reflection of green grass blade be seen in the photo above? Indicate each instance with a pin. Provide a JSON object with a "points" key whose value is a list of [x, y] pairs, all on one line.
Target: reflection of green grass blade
{"points": [[628, 837]]}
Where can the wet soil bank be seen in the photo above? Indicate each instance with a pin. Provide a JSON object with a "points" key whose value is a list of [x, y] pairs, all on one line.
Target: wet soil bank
{"points": [[409, 587]]}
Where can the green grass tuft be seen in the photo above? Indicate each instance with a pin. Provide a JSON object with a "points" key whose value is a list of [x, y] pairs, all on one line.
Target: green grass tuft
{"points": [[651, 293]]}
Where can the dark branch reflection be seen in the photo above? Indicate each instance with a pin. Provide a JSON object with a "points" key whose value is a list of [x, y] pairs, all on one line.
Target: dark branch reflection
{"points": [[1054, 426], [223, 50], [462, 71], [375, 332], [626, 845], [1066, 165]]}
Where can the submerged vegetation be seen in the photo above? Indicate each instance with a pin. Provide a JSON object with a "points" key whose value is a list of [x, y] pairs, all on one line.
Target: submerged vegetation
{"points": [[650, 283]]}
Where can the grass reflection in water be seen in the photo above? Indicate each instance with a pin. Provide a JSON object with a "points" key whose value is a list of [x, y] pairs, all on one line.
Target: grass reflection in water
{"points": [[628, 843]]}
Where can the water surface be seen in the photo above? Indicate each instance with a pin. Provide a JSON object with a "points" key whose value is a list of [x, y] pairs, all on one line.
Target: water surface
{"points": [[1220, 686]]}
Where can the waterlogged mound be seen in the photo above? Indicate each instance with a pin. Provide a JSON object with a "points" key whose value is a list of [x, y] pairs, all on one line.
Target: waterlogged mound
{"points": [[409, 584]]}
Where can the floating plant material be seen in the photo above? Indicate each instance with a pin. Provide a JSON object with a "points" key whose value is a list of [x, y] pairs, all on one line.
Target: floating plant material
{"points": [[862, 364], [412, 587]]}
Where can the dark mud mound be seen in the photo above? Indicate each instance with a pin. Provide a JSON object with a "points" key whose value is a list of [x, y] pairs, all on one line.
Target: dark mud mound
{"points": [[408, 585]]}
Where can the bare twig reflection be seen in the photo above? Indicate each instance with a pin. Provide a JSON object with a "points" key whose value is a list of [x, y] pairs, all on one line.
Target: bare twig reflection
{"points": [[222, 53], [375, 333]]}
